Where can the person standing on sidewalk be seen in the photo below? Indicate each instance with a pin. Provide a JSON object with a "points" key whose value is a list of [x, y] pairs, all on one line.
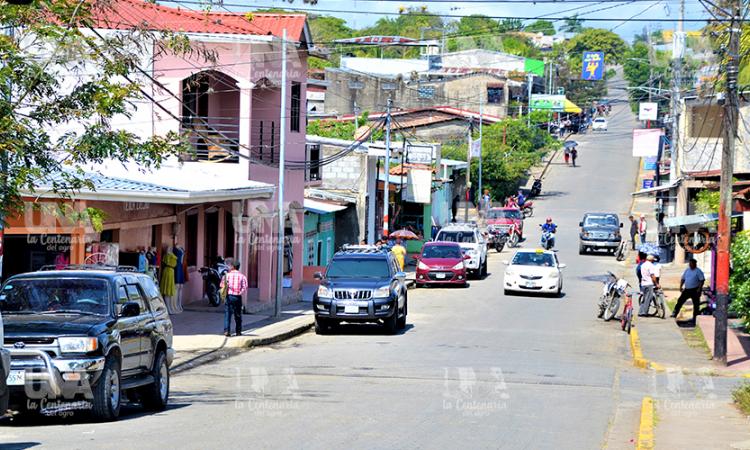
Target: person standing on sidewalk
{"points": [[236, 285], [643, 228], [399, 251], [691, 286], [649, 284], [633, 229], [574, 155]]}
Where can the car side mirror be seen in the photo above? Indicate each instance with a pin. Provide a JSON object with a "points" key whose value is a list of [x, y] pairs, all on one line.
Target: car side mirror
{"points": [[562, 266], [318, 276], [620, 224], [580, 224], [130, 309]]}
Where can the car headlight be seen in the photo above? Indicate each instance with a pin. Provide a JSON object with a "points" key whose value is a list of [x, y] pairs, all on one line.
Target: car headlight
{"points": [[459, 266], [422, 266], [384, 291], [585, 234], [325, 292], [78, 344], [471, 252], [554, 274]]}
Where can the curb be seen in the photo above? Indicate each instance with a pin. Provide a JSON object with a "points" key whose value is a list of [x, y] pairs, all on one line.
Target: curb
{"points": [[638, 359], [261, 341], [646, 427]]}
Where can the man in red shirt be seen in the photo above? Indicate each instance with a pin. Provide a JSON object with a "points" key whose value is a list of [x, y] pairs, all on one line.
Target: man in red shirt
{"points": [[236, 284]]}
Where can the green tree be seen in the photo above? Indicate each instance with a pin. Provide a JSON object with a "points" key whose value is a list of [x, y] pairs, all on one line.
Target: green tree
{"points": [[474, 31], [541, 26], [739, 281], [410, 24], [508, 25], [325, 30], [52, 124], [572, 25], [596, 40], [518, 45]]}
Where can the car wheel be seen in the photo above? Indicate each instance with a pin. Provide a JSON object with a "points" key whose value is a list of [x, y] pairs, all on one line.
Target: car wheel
{"points": [[581, 250], [322, 326], [107, 393], [155, 396], [391, 323], [402, 320]]}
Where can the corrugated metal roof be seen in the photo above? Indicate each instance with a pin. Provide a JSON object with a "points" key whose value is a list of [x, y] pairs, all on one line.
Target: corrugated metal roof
{"points": [[129, 14]]}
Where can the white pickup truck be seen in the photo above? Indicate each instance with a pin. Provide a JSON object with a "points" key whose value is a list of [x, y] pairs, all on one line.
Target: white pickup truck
{"points": [[472, 243]]}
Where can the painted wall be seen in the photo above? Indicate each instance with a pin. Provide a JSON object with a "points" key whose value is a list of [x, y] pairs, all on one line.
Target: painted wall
{"points": [[313, 237]]}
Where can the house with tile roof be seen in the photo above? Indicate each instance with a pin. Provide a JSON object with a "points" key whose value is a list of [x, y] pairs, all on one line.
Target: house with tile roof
{"points": [[224, 97]]}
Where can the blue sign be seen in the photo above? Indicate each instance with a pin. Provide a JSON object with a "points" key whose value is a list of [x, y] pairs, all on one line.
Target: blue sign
{"points": [[649, 163], [648, 183], [593, 66]]}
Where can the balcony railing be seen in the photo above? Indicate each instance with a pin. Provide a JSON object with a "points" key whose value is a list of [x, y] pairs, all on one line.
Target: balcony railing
{"points": [[215, 142]]}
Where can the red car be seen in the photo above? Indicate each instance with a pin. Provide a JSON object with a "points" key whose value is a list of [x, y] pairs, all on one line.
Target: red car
{"points": [[503, 218], [441, 263]]}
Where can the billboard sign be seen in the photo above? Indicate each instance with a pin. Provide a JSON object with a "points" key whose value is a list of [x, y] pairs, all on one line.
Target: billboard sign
{"points": [[593, 66], [543, 102]]}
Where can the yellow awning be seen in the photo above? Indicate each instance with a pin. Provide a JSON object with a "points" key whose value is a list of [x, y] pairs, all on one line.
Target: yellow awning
{"points": [[571, 107]]}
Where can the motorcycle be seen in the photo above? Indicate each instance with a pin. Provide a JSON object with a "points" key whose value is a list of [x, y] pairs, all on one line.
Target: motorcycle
{"points": [[527, 209], [498, 237], [609, 302], [536, 188], [548, 239], [514, 236], [212, 280]]}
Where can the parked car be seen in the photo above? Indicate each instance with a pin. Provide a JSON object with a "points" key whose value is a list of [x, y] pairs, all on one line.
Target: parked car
{"points": [[599, 231], [441, 263], [82, 333], [361, 284], [599, 124], [534, 271], [504, 219], [472, 243], [4, 372]]}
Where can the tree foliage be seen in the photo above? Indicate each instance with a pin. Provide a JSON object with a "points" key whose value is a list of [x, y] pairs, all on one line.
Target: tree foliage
{"points": [[541, 26], [739, 281], [505, 164], [52, 124], [572, 25]]}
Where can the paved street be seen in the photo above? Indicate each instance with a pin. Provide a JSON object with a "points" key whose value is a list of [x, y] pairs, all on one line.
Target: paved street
{"points": [[473, 369]]}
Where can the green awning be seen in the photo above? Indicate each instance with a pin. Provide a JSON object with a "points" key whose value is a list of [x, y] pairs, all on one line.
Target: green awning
{"points": [[534, 66]]}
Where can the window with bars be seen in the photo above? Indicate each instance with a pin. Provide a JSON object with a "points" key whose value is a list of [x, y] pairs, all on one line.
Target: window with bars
{"points": [[313, 157], [294, 120]]}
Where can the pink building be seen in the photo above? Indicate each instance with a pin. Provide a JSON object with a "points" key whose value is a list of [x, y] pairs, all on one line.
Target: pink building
{"points": [[225, 97]]}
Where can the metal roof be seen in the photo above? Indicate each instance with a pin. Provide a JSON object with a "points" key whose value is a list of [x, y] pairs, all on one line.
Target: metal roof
{"points": [[320, 207]]}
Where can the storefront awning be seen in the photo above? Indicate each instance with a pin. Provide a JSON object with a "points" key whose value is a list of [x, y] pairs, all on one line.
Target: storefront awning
{"points": [[694, 219], [319, 207], [663, 187], [553, 103]]}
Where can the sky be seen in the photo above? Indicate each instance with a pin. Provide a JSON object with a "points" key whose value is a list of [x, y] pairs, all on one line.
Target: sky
{"points": [[662, 14]]}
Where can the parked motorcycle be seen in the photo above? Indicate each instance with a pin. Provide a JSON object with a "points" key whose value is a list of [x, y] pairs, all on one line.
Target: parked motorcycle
{"points": [[609, 302], [528, 209], [212, 280], [536, 188]]}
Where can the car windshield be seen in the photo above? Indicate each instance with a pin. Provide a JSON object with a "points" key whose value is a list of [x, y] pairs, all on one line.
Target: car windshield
{"points": [[600, 221], [358, 268], [441, 251], [58, 295], [466, 237], [504, 214], [533, 259]]}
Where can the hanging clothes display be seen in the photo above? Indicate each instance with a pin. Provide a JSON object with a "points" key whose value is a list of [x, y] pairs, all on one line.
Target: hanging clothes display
{"points": [[142, 262], [167, 276], [179, 271]]}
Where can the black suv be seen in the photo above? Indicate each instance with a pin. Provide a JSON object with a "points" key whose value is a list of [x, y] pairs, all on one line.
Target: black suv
{"points": [[599, 231], [86, 336], [361, 284]]}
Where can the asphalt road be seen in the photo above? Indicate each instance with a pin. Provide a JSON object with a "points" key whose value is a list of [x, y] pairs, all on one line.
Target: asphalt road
{"points": [[473, 369]]}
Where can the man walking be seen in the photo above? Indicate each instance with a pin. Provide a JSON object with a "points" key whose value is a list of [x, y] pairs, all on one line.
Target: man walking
{"points": [[643, 228], [691, 285], [633, 229], [649, 284], [236, 285]]}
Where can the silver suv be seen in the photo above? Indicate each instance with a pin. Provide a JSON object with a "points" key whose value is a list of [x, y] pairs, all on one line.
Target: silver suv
{"points": [[472, 243]]}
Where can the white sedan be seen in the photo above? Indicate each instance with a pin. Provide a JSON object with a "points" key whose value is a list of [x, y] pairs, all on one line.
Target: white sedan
{"points": [[534, 271], [599, 124]]}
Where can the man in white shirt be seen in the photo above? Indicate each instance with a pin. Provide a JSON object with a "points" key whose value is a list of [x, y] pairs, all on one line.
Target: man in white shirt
{"points": [[691, 286], [643, 228], [648, 284]]}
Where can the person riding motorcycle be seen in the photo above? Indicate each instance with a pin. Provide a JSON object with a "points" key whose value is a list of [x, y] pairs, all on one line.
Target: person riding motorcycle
{"points": [[549, 226], [520, 200]]}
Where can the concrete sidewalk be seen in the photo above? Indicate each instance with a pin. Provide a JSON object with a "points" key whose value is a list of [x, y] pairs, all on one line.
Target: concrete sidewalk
{"points": [[199, 337]]}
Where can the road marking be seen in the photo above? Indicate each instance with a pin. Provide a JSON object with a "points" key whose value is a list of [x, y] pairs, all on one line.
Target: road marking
{"points": [[646, 428]]}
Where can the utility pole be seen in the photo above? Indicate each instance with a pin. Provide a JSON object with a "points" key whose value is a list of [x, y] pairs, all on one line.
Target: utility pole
{"points": [[468, 175], [731, 113], [356, 119], [282, 155], [530, 83], [678, 41], [386, 187], [481, 117]]}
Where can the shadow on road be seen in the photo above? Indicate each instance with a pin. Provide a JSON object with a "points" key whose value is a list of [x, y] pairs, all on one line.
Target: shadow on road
{"points": [[365, 329], [128, 411]]}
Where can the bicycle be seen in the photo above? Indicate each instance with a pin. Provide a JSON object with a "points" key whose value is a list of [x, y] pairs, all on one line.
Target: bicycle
{"points": [[658, 305], [626, 319], [621, 251]]}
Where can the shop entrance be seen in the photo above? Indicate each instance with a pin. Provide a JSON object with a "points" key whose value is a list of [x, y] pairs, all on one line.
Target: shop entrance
{"points": [[29, 252]]}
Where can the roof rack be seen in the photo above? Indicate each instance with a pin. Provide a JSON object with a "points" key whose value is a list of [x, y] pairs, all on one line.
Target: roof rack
{"points": [[109, 267], [471, 224], [364, 248]]}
